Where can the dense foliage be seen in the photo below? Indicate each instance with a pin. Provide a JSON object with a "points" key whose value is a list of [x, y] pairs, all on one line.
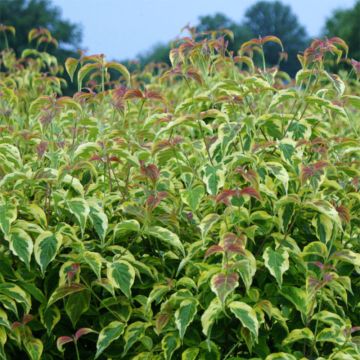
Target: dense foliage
{"points": [[209, 210]]}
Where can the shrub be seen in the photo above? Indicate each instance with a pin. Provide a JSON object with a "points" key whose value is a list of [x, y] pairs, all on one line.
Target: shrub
{"points": [[209, 210]]}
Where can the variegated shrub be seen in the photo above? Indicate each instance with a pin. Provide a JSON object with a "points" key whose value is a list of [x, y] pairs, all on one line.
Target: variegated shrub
{"points": [[207, 210]]}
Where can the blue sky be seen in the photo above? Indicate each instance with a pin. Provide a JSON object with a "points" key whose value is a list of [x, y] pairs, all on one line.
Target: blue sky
{"points": [[124, 28]]}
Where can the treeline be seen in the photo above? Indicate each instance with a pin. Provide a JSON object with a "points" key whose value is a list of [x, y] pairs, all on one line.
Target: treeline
{"points": [[261, 19]]}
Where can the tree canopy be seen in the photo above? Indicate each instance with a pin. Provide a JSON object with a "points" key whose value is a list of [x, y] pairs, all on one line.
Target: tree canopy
{"points": [[274, 18], [346, 25], [25, 15]]}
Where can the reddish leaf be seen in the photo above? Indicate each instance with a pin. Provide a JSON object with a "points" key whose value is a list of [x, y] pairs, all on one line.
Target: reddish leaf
{"points": [[27, 318], [151, 171], [16, 324], [133, 94], [62, 340], [233, 243], [250, 191], [41, 148], [249, 175], [224, 196], [162, 320], [356, 66], [344, 213], [154, 200], [213, 250], [153, 95], [193, 74], [83, 331], [308, 171], [223, 284]]}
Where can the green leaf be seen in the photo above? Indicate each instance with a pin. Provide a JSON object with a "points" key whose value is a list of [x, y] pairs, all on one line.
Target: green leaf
{"points": [[207, 223], [73, 183], [247, 316], [85, 70], [325, 208], [214, 178], [80, 209], [297, 297], [210, 315], [94, 260], [98, 219], [134, 332], [184, 315], [38, 214], [246, 267], [76, 305], [315, 249], [121, 69], [121, 275], [49, 317], [347, 256], [224, 284], [86, 150], [280, 356], [11, 155], [4, 320], [46, 247], [8, 214], [298, 335], [169, 344], [126, 227], [16, 293], [190, 353], [324, 228], [70, 66], [107, 335], [277, 262], [21, 245], [34, 348], [64, 291], [329, 318], [193, 196], [166, 236], [279, 173], [332, 335], [287, 150]]}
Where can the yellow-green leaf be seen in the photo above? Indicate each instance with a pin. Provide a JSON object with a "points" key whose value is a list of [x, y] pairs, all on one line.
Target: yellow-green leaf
{"points": [[210, 315], [247, 316], [46, 247], [166, 236], [224, 284], [107, 335], [298, 335], [8, 214], [121, 275], [70, 66], [80, 209], [184, 315], [17, 294], [169, 344], [34, 348], [277, 262]]}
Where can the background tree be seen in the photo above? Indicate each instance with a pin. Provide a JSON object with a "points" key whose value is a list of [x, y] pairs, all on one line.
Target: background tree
{"points": [[25, 15], [160, 52], [346, 25], [274, 18], [220, 21]]}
